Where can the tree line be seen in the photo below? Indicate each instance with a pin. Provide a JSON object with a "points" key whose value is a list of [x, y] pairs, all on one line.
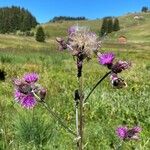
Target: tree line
{"points": [[109, 25], [16, 18], [65, 18], [144, 9]]}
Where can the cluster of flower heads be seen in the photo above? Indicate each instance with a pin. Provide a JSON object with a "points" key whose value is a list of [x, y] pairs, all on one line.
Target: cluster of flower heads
{"points": [[107, 59], [125, 133], [27, 90], [80, 40]]}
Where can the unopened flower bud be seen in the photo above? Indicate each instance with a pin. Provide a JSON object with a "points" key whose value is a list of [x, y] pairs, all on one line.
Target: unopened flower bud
{"points": [[42, 94], [120, 66], [22, 86]]}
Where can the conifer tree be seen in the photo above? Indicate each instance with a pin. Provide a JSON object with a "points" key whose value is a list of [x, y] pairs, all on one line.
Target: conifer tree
{"points": [[40, 35], [16, 18], [110, 25], [116, 26], [104, 28], [144, 9]]}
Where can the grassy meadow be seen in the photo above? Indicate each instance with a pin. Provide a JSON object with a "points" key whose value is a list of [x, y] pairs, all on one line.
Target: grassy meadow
{"points": [[107, 108]]}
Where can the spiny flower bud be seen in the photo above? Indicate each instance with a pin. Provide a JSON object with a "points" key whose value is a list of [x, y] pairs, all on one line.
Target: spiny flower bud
{"points": [[22, 86], [62, 43], [120, 66], [43, 93]]}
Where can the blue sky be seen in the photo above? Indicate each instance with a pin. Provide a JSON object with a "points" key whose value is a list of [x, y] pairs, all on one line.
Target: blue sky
{"points": [[44, 10]]}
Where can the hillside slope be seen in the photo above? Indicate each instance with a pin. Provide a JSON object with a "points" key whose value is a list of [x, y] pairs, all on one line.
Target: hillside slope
{"points": [[135, 30]]}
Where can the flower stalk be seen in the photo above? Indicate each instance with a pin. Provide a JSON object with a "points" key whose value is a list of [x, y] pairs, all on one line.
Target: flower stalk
{"points": [[58, 118], [55, 115], [81, 115], [85, 100], [77, 98], [80, 58]]}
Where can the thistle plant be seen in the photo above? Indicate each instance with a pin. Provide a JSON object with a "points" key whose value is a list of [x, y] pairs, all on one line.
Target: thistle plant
{"points": [[82, 45], [28, 93]]}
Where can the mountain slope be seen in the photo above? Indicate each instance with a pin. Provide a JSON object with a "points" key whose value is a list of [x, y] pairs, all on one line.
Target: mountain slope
{"points": [[135, 30]]}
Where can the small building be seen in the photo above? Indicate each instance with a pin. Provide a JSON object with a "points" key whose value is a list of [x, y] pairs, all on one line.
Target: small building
{"points": [[138, 17], [122, 39]]}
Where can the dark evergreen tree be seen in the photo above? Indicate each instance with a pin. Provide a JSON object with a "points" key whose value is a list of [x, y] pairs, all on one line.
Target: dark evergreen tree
{"points": [[66, 18], [144, 9], [16, 18], [104, 27], [110, 25], [26, 23], [116, 26], [40, 35]]}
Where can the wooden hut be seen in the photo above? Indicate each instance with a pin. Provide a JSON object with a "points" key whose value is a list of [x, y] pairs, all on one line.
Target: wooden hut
{"points": [[122, 39]]}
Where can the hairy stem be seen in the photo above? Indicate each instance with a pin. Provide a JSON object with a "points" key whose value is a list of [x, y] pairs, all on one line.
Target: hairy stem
{"points": [[85, 100], [77, 123], [77, 126], [81, 112], [81, 98]]}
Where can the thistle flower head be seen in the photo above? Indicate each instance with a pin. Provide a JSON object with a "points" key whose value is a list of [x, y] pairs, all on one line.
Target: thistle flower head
{"points": [[22, 86], [31, 77], [120, 66], [80, 40], [25, 90], [28, 101], [18, 95], [122, 132], [83, 37], [137, 129], [106, 58], [125, 133], [72, 30]]}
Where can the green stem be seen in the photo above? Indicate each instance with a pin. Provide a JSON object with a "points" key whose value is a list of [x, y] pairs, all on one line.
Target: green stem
{"points": [[81, 112], [96, 85], [55, 115], [58, 118], [77, 126]]}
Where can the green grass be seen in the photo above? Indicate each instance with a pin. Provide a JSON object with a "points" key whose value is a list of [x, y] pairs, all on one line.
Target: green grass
{"points": [[107, 107]]}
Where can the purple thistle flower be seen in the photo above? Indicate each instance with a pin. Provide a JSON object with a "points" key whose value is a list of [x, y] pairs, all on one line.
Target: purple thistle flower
{"points": [[31, 77], [28, 101], [18, 96], [137, 129], [120, 66], [125, 133], [121, 132], [106, 59], [27, 91], [79, 37], [72, 30]]}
